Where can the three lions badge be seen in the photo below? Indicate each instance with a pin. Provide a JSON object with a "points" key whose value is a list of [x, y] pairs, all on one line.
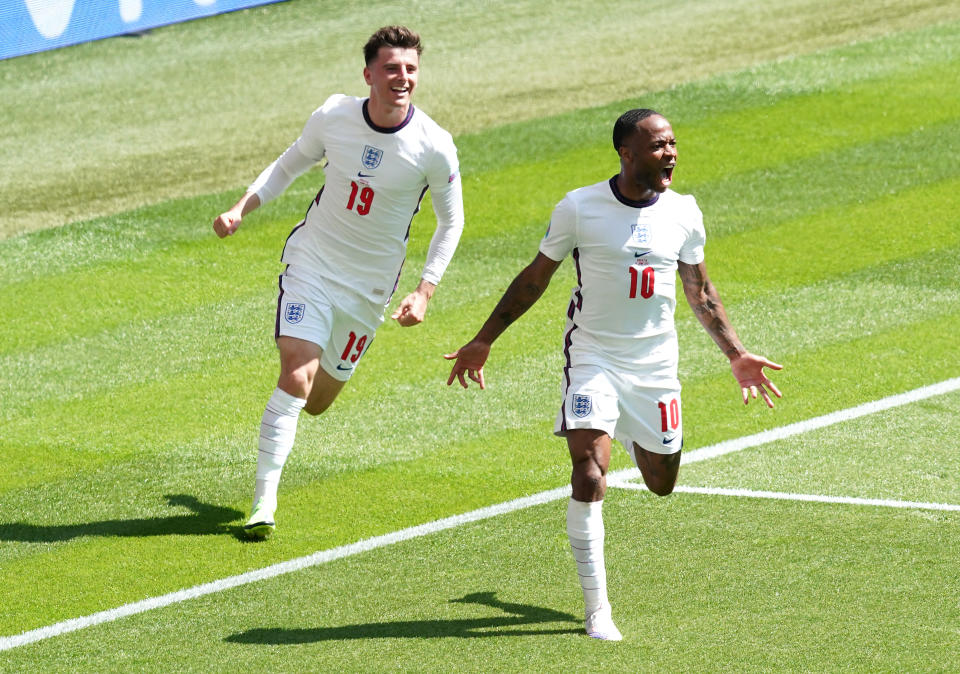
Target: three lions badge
{"points": [[581, 405]]}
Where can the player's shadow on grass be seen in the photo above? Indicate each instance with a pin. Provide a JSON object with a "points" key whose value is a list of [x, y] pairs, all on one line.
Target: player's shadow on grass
{"points": [[521, 620], [205, 519]]}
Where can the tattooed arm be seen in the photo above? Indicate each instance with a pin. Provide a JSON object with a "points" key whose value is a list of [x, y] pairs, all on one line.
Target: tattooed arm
{"points": [[522, 294], [705, 301]]}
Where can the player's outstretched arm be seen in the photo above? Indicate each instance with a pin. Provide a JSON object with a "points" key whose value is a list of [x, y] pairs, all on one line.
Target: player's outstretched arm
{"points": [[227, 222], [747, 368], [413, 308], [522, 294]]}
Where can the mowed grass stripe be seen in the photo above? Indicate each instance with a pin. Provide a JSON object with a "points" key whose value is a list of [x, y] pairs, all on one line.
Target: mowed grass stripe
{"points": [[855, 175], [834, 70], [192, 267], [844, 239], [711, 567], [323, 507], [84, 365], [391, 538], [789, 87], [102, 422], [823, 123]]}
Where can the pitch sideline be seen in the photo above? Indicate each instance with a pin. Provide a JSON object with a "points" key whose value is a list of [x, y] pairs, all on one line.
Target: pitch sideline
{"points": [[809, 498], [617, 478]]}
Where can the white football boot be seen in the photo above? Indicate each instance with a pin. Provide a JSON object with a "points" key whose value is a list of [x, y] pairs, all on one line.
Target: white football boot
{"points": [[261, 523], [600, 625]]}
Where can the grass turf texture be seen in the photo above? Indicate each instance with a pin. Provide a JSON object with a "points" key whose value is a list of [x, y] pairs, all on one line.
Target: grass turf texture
{"points": [[140, 359], [112, 125]]}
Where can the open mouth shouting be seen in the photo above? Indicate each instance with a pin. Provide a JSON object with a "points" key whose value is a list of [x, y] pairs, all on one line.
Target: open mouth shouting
{"points": [[666, 175]]}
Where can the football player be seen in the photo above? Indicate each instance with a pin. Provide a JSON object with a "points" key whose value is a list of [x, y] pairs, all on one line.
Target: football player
{"points": [[344, 259], [628, 236]]}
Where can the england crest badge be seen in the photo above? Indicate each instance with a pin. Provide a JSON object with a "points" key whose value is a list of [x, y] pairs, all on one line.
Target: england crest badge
{"points": [[294, 312], [640, 233], [371, 157], [581, 405]]}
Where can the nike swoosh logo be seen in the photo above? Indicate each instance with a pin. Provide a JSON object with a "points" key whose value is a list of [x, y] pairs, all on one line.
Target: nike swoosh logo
{"points": [[667, 441], [341, 367], [361, 174], [635, 254]]}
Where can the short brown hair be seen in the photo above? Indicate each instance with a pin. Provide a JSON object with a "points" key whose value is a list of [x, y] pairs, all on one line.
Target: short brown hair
{"points": [[391, 36]]}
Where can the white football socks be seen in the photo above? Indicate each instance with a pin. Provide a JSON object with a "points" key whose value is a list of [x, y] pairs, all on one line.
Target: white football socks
{"points": [[278, 429], [585, 531]]}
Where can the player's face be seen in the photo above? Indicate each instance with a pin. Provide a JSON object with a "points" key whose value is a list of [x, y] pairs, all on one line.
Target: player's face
{"points": [[649, 156], [392, 76]]}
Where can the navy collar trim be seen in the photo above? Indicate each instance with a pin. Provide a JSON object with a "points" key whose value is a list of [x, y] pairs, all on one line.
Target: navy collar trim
{"points": [[630, 202], [386, 129]]}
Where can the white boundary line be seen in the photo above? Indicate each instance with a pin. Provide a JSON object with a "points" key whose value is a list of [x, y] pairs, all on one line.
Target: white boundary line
{"points": [[297, 564], [814, 498], [762, 438], [324, 556]]}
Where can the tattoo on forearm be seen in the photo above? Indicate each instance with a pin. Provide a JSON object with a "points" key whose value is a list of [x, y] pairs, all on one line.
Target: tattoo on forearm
{"points": [[705, 302], [515, 302]]}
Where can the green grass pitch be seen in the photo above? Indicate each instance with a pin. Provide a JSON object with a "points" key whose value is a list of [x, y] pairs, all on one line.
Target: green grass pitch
{"points": [[136, 351]]}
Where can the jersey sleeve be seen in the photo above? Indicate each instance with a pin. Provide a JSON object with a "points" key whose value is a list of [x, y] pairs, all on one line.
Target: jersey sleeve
{"points": [[446, 191], [561, 236], [277, 177], [306, 151], [692, 250], [311, 140]]}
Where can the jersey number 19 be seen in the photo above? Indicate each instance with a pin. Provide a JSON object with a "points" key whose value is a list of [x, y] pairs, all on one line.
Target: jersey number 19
{"points": [[365, 198]]}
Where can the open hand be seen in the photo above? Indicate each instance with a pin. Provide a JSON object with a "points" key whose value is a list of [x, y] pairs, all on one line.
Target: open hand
{"points": [[748, 370], [470, 359]]}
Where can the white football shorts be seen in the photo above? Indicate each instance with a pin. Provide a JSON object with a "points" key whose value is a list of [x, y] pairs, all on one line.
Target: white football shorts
{"points": [[342, 323], [624, 406]]}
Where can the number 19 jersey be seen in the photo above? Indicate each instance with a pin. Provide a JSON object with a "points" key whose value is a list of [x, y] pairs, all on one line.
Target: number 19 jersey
{"points": [[625, 255], [356, 230]]}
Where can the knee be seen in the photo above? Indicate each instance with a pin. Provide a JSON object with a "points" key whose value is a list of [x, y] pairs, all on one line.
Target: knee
{"points": [[296, 382], [660, 483], [588, 481], [661, 489], [659, 470]]}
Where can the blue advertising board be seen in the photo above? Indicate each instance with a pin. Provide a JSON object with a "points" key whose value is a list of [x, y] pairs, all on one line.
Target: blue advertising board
{"points": [[28, 26]]}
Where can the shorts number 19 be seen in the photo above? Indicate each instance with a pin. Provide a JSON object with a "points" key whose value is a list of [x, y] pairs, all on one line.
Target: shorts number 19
{"points": [[354, 343]]}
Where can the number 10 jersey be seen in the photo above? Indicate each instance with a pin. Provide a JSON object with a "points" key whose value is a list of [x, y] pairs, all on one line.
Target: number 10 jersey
{"points": [[625, 253]]}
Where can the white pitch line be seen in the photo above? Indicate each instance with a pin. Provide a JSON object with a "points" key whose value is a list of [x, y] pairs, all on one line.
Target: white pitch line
{"points": [[366, 545], [762, 438], [315, 559], [813, 498]]}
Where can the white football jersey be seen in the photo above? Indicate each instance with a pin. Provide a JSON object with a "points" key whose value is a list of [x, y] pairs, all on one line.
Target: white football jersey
{"points": [[625, 254], [356, 229]]}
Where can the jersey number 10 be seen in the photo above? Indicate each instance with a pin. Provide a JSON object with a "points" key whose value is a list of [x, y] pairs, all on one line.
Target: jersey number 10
{"points": [[642, 278]]}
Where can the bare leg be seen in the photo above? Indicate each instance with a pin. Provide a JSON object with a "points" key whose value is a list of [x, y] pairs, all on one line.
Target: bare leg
{"points": [[590, 456], [659, 470]]}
